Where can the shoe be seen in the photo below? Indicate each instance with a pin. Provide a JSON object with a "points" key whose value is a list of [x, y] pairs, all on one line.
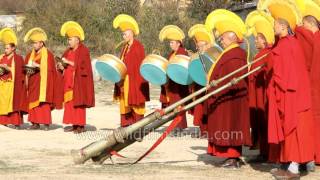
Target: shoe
{"points": [[17, 127], [281, 174], [70, 128], [80, 129], [46, 127], [34, 127], [232, 163]]}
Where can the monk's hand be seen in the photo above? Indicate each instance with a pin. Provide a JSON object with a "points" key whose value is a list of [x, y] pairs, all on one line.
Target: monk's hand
{"points": [[66, 61], [60, 66], [35, 64], [6, 67]]}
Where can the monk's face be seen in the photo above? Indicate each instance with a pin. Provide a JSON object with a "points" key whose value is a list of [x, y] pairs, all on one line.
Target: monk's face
{"points": [[174, 45], [280, 29], [37, 45], [202, 46], [260, 41], [9, 49], [307, 25], [127, 35], [73, 42]]}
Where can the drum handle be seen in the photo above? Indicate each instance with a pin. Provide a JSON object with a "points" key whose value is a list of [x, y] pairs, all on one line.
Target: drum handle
{"points": [[202, 62], [156, 51]]}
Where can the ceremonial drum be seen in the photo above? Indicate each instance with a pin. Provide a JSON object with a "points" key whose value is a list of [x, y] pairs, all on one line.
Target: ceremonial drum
{"points": [[111, 68], [178, 69], [201, 64], [153, 69]]}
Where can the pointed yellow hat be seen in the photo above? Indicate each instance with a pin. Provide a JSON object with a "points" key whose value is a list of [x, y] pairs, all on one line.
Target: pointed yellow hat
{"points": [[35, 35], [8, 36], [72, 29], [260, 22], [284, 9], [224, 21], [309, 7], [171, 32], [126, 22], [201, 33]]}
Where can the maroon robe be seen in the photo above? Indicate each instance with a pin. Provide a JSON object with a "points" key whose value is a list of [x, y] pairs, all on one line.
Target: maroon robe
{"points": [[228, 111], [289, 95], [19, 93], [41, 114], [175, 92], [257, 105], [310, 43], [79, 80], [138, 86]]}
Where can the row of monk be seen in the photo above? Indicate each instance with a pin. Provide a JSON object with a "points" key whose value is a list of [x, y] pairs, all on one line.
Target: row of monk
{"points": [[276, 109], [41, 82]]}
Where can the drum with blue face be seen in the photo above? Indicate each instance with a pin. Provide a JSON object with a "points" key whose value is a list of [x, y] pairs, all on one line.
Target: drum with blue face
{"points": [[201, 64], [111, 68], [153, 69], [178, 69]]}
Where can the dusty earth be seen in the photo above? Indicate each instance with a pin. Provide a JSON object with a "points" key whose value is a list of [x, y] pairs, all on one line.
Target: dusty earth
{"points": [[46, 155]]}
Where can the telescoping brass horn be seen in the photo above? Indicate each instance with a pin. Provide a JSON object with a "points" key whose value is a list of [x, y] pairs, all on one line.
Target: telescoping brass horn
{"points": [[120, 137]]}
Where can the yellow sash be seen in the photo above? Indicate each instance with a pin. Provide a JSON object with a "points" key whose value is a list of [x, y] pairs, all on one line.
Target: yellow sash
{"points": [[6, 91], [214, 64], [43, 75]]}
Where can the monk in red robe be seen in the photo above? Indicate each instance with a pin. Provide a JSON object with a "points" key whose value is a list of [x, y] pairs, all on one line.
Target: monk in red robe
{"points": [[77, 80], [12, 87], [133, 91], [41, 83], [309, 38], [258, 99], [290, 118], [228, 111], [173, 92]]}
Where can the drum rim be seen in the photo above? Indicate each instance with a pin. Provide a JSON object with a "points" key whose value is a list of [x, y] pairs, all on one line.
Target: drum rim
{"points": [[115, 69], [165, 72], [113, 57]]}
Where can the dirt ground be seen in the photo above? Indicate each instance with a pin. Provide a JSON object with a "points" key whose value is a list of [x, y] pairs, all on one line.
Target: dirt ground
{"points": [[46, 155]]}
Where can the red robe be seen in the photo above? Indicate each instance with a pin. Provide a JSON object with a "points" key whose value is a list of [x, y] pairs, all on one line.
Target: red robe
{"points": [[315, 92], [42, 113], [228, 111], [79, 80], [175, 92], [290, 121], [257, 105], [138, 87], [19, 92], [200, 117]]}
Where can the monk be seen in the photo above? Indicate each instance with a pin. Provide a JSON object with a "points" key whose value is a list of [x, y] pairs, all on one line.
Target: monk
{"points": [[133, 92], [173, 92], [77, 79], [11, 82], [228, 111], [200, 118], [309, 36], [258, 99], [290, 118], [41, 83]]}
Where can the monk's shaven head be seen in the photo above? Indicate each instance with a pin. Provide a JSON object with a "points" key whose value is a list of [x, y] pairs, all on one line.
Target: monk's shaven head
{"points": [[128, 35], [73, 42], [228, 38], [282, 27], [9, 49], [311, 23]]}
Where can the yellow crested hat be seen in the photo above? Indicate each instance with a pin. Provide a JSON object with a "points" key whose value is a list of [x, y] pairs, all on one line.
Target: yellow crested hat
{"points": [[284, 9], [8, 36], [126, 22], [260, 22], [309, 7], [72, 29], [224, 21], [171, 32], [201, 33], [35, 35]]}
